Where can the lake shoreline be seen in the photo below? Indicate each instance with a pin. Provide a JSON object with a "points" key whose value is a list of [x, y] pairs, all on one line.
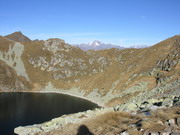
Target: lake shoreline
{"points": [[56, 92], [35, 108]]}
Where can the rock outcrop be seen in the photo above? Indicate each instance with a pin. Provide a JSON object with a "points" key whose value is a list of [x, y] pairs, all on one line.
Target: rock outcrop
{"points": [[113, 76], [10, 81]]}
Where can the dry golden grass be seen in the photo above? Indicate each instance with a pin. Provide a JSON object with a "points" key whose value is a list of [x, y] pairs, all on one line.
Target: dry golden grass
{"points": [[5, 44], [155, 121], [121, 100], [109, 123], [166, 114], [153, 125], [112, 123], [133, 61]]}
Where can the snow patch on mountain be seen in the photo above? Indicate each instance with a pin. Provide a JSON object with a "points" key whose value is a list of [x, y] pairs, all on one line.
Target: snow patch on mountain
{"points": [[97, 45]]}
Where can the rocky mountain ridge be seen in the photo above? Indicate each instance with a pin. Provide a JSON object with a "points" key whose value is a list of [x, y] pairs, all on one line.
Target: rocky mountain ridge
{"points": [[65, 68], [120, 80]]}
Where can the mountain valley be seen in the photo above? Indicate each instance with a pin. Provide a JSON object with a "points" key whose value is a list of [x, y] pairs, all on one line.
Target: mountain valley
{"points": [[119, 79]]}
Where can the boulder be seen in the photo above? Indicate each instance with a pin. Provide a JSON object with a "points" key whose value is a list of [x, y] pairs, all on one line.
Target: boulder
{"points": [[154, 133], [131, 107], [124, 133], [167, 102], [176, 101], [27, 130], [146, 132], [172, 122]]}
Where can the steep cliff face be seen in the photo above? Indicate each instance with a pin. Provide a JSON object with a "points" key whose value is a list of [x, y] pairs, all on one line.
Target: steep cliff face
{"points": [[109, 76], [11, 53]]}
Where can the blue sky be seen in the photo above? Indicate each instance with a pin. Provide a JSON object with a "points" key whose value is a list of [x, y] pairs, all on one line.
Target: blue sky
{"points": [[120, 22]]}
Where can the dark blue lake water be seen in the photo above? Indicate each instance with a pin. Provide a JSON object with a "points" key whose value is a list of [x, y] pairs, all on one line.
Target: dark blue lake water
{"points": [[20, 109]]}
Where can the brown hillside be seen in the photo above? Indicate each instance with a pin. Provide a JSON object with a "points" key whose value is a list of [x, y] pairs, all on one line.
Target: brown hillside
{"points": [[122, 74], [10, 81], [18, 37], [5, 44]]}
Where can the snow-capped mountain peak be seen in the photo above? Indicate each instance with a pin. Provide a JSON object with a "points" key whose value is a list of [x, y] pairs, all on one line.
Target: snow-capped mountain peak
{"points": [[95, 43]]}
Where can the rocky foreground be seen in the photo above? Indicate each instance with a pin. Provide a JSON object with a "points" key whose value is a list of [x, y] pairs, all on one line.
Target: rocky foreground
{"points": [[154, 116], [160, 107]]}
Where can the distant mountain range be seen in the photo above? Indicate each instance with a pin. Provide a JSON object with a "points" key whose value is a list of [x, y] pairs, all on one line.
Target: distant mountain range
{"points": [[138, 46], [97, 45]]}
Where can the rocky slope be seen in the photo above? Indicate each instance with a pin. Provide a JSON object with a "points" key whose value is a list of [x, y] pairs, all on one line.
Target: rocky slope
{"points": [[123, 80], [10, 81], [111, 76]]}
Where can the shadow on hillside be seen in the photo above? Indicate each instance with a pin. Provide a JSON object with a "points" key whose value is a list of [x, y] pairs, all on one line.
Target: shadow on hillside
{"points": [[83, 130]]}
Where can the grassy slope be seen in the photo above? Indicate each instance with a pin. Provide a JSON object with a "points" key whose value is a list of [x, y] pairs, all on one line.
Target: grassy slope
{"points": [[113, 123], [126, 68]]}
